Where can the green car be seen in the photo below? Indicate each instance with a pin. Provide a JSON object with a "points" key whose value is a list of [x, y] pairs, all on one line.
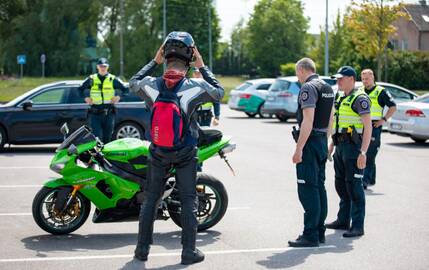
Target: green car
{"points": [[250, 96]]}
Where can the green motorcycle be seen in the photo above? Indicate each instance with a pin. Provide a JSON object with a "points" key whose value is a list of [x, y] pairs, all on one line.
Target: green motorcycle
{"points": [[112, 177]]}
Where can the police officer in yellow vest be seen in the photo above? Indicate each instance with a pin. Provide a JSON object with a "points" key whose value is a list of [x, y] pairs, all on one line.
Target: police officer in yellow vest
{"points": [[380, 98], [204, 113], [351, 136], [102, 97]]}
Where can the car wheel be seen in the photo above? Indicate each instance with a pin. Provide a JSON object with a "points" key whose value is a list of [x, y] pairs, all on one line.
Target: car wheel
{"points": [[3, 138], [282, 118], [128, 130], [263, 115], [251, 115], [419, 141]]}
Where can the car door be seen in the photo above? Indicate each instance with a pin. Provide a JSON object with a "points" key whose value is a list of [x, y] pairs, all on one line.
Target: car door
{"points": [[40, 122], [75, 112]]}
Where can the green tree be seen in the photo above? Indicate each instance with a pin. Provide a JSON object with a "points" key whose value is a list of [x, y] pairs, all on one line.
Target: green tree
{"points": [[371, 22], [277, 33]]}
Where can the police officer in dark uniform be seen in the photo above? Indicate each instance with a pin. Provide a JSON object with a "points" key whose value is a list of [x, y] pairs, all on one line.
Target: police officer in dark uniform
{"points": [[102, 97], [380, 98], [352, 129], [315, 103]]}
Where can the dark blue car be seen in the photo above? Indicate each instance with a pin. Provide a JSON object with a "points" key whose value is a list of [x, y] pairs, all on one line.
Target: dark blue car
{"points": [[37, 116]]}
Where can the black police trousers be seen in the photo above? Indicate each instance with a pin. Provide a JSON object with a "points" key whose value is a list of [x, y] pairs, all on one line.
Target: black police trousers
{"points": [[370, 170], [348, 183], [160, 162], [311, 185], [101, 123]]}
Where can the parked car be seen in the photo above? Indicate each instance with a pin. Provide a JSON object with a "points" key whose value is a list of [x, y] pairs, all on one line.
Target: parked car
{"points": [[282, 99], [412, 119], [36, 116], [249, 97]]}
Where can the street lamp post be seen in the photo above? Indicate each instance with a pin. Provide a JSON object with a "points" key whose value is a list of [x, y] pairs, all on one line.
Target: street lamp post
{"points": [[326, 42], [121, 40], [210, 35]]}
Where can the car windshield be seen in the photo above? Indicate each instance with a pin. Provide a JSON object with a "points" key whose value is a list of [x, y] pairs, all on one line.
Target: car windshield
{"points": [[423, 99], [243, 86], [280, 85]]}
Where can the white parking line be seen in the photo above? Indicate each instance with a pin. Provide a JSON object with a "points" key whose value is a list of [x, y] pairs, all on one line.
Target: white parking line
{"points": [[20, 186], [20, 168], [15, 214], [122, 256], [240, 208]]}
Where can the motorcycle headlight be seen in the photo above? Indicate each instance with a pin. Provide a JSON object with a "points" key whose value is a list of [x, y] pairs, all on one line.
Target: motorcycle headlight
{"points": [[57, 167]]}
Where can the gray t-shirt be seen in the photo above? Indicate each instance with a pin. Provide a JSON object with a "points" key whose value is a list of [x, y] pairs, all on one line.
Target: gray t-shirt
{"points": [[308, 96], [362, 105]]}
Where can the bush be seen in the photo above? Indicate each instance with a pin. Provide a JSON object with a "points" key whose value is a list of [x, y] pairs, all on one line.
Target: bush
{"points": [[287, 69], [409, 69]]}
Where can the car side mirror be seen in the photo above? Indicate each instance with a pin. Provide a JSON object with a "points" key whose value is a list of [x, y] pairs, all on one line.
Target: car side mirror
{"points": [[64, 130], [27, 105], [72, 150]]}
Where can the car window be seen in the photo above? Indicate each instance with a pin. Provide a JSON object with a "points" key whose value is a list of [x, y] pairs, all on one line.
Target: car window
{"points": [[76, 96], [294, 87], [53, 96], [131, 97], [399, 94], [263, 86], [423, 99], [243, 86], [331, 82], [280, 85]]}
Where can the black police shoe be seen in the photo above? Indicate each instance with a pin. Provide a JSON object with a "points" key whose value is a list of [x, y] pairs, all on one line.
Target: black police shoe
{"points": [[303, 242], [192, 256], [353, 233], [336, 225], [141, 253]]}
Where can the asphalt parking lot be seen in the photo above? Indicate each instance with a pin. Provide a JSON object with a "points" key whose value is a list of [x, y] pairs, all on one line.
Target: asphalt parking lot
{"points": [[264, 213]]}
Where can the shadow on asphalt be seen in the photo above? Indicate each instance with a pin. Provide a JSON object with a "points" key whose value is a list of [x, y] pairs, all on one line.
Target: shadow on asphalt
{"points": [[242, 117], [12, 151], [410, 145], [370, 192], [44, 244], [335, 243]]}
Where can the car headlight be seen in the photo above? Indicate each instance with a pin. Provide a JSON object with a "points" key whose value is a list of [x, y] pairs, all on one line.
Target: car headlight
{"points": [[57, 167]]}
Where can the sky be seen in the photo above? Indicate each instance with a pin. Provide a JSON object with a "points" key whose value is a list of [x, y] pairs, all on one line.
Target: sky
{"points": [[230, 12]]}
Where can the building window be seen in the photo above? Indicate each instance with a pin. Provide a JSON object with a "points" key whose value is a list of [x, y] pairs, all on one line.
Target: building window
{"points": [[395, 44], [404, 46]]}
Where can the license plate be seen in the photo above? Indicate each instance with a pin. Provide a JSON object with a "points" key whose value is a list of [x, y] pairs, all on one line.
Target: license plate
{"points": [[270, 98], [396, 126]]}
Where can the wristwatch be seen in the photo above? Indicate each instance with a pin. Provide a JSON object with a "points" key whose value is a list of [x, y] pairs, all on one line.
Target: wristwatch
{"points": [[363, 153]]}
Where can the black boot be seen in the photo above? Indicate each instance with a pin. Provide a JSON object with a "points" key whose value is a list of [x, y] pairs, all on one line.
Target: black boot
{"points": [[336, 225], [303, 242], [192, 256], [141, 252], [322, 239], [353, 233]]}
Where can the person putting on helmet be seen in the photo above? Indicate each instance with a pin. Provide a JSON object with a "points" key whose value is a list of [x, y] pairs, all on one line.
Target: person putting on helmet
{"points": [[173, 99]]}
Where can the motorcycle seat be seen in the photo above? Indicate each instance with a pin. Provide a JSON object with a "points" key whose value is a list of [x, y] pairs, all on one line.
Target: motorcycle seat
{"points": [[209, 136]]}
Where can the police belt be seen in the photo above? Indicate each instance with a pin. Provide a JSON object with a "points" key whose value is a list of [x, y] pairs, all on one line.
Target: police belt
{"points": [[103, 110]]}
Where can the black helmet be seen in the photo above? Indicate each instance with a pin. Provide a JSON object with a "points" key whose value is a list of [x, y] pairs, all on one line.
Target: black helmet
{"points": [[180, 45], [102, 61]]}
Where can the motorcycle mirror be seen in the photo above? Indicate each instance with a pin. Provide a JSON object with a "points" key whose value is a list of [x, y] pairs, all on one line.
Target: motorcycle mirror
{"points": [[64, 129], [72, 150]]}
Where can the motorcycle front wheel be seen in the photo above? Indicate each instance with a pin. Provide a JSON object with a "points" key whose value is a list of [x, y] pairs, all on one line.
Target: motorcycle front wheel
{"points": [[212, 203], [50, 220]]}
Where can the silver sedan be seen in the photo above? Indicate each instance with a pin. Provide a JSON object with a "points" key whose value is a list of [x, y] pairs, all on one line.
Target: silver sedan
{"points": [[412, 119]]}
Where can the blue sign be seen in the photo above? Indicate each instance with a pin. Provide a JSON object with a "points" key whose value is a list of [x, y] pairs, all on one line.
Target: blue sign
{"points": [[22, 59]]}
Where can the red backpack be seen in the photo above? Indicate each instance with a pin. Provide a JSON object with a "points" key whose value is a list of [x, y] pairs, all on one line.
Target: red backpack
{"points": [[167, 119]]}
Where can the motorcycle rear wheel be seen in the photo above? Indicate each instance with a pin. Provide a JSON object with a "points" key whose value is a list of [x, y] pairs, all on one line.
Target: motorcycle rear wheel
{"points": [[213, 202]]}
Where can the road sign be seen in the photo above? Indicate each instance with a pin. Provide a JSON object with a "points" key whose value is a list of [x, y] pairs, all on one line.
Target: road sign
{"points": [[22, 59], [42, 58]]}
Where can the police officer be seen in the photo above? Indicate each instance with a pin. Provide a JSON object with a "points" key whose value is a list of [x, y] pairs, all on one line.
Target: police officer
{"points": [[380, 98], [315, 103], [204, 112], [351, 136], [101, 97]]}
